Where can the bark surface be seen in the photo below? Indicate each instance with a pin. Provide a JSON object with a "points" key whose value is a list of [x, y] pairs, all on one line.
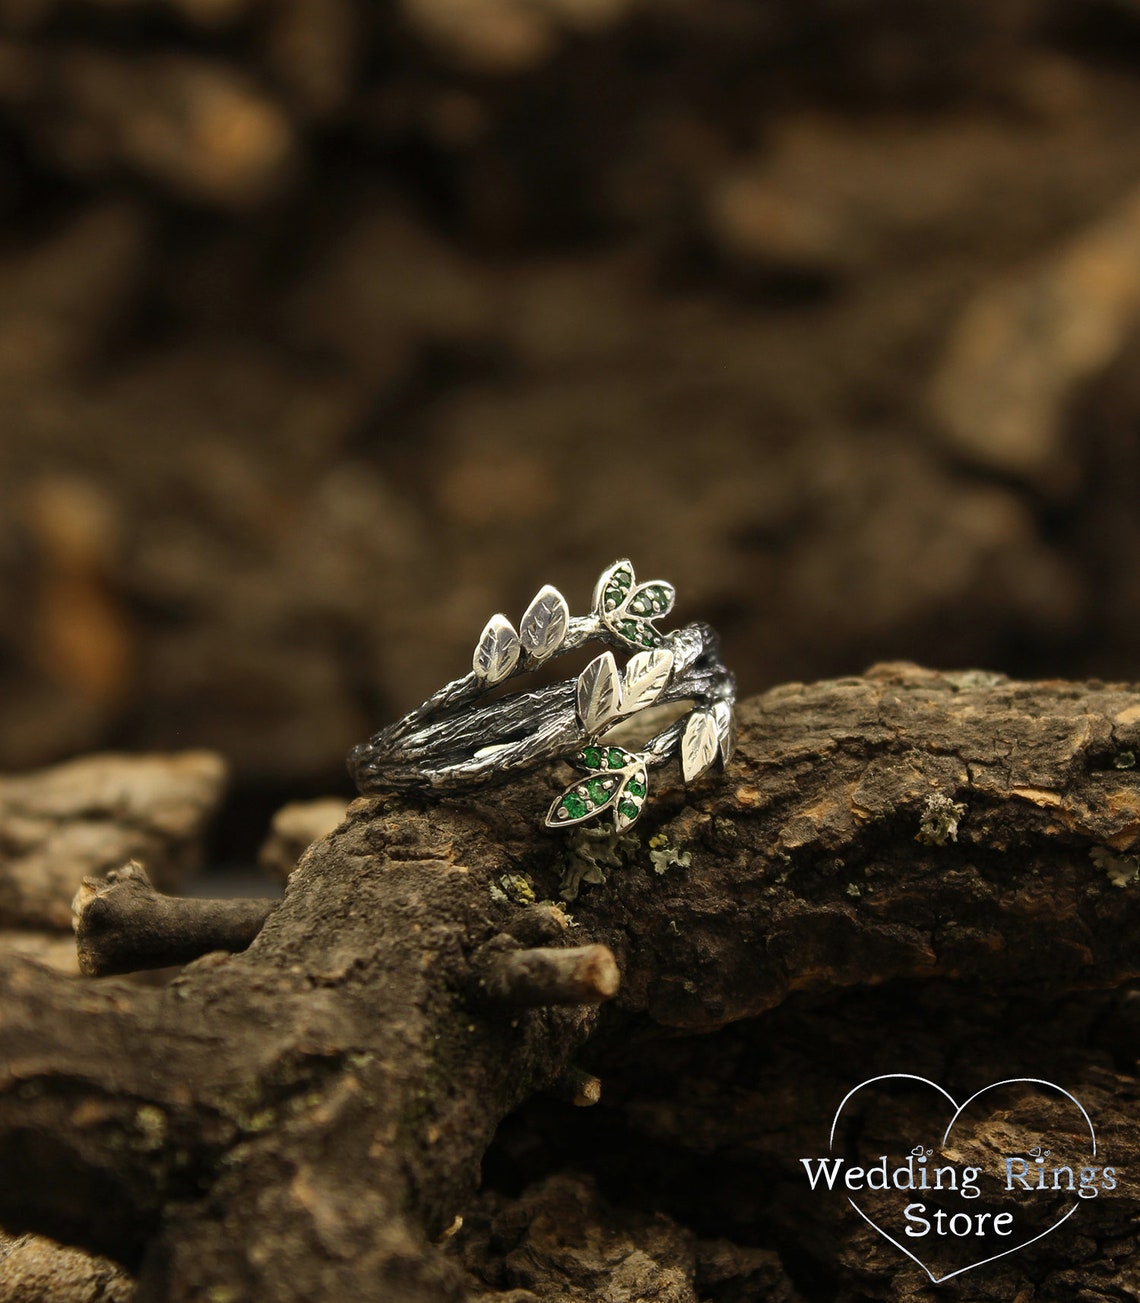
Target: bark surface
{"points": [[306, 1119]]}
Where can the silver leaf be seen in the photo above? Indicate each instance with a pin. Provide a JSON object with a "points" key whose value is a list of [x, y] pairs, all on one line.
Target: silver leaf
{"points": [[497, 652], [543, 627], [645, 677], [725, 730], [599, 693], [698, 744]]}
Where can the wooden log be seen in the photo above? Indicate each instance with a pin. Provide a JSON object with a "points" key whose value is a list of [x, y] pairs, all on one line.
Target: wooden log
{"points": [[306, 1119]]}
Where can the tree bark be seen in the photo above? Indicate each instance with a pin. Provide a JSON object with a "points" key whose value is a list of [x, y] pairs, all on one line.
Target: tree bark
{"points": [[305, 1119]]}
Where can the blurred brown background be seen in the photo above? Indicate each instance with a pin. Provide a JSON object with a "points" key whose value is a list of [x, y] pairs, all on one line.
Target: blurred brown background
{"points": [[329, 327]]}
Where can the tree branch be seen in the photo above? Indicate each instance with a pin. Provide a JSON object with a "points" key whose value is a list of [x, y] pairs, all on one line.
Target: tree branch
{"points": [[303, 1120], [526, 979], [123, 924]]}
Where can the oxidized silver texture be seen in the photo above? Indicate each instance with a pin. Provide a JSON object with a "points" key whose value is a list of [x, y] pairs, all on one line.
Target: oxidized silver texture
{"points": [[457, 739]]}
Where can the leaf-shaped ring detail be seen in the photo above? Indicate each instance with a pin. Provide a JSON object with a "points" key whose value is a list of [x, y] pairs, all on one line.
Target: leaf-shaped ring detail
{"points": [[462, 738]]}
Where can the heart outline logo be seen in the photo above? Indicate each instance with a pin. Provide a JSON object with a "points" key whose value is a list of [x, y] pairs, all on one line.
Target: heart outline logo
{"points": [[958, 1111]]}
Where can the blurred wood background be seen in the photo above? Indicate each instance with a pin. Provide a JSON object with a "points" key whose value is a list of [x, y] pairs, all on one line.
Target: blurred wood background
{"points": [[326, 328]]}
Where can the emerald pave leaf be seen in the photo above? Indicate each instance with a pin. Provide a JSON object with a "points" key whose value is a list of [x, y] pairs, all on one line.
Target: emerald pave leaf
{"points": [[628, 610], [616, 779], [639, 632], [542, 629], [571, 807], [613, 587], [630, 799], [599, 693], [600, 790], [648, 601], [584, 800], [497, 652], [699, 744]]}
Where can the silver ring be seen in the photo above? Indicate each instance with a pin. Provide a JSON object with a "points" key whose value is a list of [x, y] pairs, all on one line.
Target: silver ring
{"points": [[458, 739]]}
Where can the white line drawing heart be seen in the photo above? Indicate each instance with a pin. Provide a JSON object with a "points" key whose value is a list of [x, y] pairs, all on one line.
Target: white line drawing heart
{"points": [[958, 1110]]}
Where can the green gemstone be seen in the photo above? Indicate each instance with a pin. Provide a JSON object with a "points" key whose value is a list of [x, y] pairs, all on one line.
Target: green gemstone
{"points": [[634, 788], [648, 638], [592, 756], [599, 789], [628, 808], [573, 805], [615, 759]]}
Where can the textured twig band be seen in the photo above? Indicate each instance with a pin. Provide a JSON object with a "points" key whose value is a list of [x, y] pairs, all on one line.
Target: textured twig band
{"points": [[458, 739]]}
